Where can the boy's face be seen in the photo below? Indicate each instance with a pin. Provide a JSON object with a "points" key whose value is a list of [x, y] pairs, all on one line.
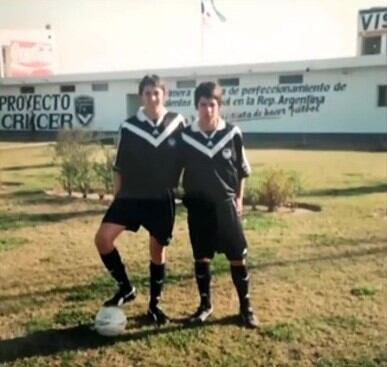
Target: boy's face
{"points": [[208, 109], [152, 97]]}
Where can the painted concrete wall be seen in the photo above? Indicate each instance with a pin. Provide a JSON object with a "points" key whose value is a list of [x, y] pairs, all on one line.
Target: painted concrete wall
{"points": [[334, 100]]}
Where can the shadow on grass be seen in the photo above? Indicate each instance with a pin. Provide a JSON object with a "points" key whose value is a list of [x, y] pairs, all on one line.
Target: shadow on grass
{"points": [[10, 183], [349, 191], [53, 341], [31, 166], [38, 197], [20, 220], [21, 194], [325, 240], [343, 255], [103, 287]]}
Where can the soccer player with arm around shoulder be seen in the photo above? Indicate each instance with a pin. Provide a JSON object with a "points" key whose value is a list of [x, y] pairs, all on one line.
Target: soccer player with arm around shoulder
{"points": [[143, 196], [214, 165]]}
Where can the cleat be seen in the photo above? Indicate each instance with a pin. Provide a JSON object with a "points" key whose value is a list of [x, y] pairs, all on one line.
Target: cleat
{"points": [[157, 316], [121, 297], [202, 314], [248, 318]]}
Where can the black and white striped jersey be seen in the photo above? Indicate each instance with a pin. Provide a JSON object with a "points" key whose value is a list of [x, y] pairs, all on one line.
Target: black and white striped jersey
{"points": [[214, 163], [146, 154]]}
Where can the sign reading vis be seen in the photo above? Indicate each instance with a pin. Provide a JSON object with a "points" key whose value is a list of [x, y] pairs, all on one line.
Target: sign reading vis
{"points": [[373, 20], [45, 111]]}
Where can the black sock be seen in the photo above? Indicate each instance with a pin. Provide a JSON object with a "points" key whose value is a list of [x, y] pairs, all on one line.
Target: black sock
{"points": [[240, 277], [157, 275], [203, 280], [113, 263]]}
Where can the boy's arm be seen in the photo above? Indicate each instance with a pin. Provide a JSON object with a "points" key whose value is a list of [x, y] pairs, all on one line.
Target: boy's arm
{"points": [[117, 180], [116, 183], [239, 196], [179, 164], [243, 169]]}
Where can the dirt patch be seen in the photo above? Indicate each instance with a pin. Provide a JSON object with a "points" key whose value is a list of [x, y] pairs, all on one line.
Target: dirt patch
{"points": [[286, 209]]}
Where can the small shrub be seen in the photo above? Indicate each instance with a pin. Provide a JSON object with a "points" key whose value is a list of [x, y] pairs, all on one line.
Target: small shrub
{"points": [[67, 175], [74, 155], [85, 173], [278, 187], [251, 197], [103, 172], [68, 139]]}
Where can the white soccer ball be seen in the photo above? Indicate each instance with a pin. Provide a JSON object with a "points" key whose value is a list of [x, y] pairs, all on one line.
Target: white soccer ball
{"points": [[110, 321]]}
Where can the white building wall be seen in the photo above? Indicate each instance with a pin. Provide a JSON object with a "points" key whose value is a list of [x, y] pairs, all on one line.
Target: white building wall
{"points": [[350, 105], [347, 102]]}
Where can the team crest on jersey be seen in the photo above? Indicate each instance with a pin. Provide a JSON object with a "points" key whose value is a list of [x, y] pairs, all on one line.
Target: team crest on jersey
{"points": [[226, 153], [171, 142], [84, 109]]}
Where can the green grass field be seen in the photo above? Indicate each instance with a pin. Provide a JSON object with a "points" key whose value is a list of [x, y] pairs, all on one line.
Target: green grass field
{"points": [[318, 278]]}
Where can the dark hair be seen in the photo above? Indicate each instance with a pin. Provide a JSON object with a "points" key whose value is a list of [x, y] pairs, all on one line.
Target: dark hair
{"points": [[152, 80], [208, 90]]}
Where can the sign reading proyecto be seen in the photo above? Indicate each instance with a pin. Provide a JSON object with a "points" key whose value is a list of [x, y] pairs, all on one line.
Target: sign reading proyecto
{"points": [[45, 111]]}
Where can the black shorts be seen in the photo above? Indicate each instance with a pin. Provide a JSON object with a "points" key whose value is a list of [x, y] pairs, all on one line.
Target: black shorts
{"points": [[215, 227], [157, 216]]}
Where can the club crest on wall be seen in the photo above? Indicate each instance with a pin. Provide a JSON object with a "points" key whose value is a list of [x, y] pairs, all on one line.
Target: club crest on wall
{"points": [[84, 109]]}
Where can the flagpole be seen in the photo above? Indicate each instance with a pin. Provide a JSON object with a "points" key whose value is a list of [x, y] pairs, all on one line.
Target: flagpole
{"points": [[210, 16], [201, 34], [2, 61]]}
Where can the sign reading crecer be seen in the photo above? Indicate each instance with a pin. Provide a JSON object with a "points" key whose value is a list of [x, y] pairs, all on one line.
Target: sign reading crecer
{"points": [[45, 111]]}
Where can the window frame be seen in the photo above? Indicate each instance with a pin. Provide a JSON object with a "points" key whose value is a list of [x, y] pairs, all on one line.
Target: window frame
{"points": [[291, 79], [71, 88], [380, 102]]}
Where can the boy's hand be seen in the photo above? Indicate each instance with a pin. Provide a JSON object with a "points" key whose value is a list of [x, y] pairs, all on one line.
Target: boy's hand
{"points": [[239, 206]]}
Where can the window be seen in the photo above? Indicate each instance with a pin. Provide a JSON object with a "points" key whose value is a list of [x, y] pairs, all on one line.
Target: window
{"points": [[100, 87], [382, 96], [291, 79], [186, 84], [372, 45], [229, 82], [67, 88], [26, 89]]}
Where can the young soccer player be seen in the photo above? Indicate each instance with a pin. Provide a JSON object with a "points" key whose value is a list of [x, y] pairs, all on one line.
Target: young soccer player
{"points": [[215, 166], [143, 192]]}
